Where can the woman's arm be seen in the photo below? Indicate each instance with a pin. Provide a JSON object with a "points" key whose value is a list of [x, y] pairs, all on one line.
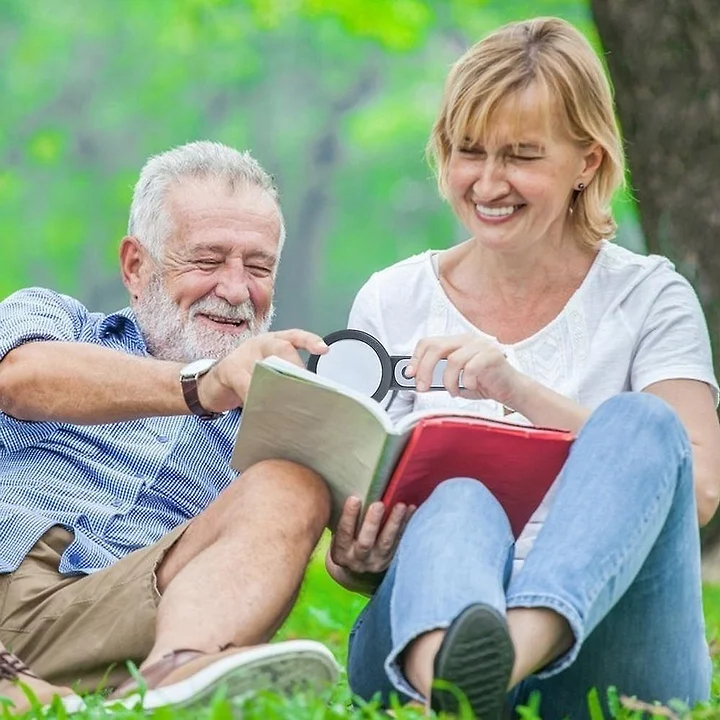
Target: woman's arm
{"points": [[694, 403], [544, 407]]}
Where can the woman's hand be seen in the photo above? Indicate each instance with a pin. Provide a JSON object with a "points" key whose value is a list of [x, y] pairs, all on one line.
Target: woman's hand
{"points": [[358, 558], [477, 364]]}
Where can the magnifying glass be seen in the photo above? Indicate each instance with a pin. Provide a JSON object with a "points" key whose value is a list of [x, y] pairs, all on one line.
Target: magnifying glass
{"points": [[360, 361]]}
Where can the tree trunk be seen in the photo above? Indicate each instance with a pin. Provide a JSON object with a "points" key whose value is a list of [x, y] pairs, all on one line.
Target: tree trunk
{"points": [[664, 59], [303, 256]]}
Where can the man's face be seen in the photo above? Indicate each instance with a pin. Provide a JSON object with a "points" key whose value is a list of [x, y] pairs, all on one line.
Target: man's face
{"points": [[213, 287]]}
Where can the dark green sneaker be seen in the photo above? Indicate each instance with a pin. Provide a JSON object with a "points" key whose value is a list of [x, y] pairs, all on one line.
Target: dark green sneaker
{"points": [[477, 657]]}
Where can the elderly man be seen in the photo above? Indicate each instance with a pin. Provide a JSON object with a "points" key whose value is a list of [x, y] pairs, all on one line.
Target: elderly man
{"points": [[123, 532]]}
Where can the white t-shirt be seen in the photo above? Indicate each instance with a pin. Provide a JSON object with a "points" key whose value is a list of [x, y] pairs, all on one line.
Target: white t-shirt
{"points": [[634, 321]]}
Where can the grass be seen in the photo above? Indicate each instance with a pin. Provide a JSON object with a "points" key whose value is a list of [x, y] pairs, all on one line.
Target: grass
{"points": [[325, 612]]}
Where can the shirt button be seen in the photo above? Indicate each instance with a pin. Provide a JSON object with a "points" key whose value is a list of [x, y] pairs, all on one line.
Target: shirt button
{"points": [[163, 438]]}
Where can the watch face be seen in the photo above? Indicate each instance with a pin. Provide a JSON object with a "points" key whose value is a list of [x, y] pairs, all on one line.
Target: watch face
{"points": [[197, 367]]}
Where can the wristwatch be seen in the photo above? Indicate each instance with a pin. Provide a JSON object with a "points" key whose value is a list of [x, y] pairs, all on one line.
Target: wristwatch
{"points": [[189, 379]]}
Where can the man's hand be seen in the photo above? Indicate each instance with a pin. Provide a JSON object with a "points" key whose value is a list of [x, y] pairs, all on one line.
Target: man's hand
{"points": [[357, 558], [226, 385]]}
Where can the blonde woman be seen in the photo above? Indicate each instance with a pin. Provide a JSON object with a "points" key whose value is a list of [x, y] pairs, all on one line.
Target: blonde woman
{"points": [[548, 322]]}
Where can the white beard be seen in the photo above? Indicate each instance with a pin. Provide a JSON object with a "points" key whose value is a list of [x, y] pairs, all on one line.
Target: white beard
{"points": [[171, 334]]}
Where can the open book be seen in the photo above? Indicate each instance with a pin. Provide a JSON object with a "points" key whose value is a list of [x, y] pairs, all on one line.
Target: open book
{"points": [[293, 414]]}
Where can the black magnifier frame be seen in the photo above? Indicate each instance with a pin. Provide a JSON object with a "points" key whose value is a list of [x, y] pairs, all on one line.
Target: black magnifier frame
{"points": [[392, 367], [382, 354]]}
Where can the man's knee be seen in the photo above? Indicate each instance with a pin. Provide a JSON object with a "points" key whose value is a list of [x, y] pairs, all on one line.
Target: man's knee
{"points": [[300, 492], [271, 500], [275, 497]]}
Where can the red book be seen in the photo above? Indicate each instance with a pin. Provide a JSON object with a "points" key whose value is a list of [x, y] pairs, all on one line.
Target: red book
{"points": [[517, 464], [361, 451]]}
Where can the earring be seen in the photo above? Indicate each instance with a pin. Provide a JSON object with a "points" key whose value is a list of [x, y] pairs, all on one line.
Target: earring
{"points": [[581, 187]]}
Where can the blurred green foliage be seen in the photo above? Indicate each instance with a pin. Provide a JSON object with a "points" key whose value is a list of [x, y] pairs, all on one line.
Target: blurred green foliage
{"points": [[334, 97]]}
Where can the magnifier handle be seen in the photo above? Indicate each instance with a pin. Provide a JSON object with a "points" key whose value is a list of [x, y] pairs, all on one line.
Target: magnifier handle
{"points": [[401, 382]]}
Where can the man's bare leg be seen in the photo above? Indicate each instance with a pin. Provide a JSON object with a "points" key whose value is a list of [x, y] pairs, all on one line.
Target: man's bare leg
{"points": [[234, 574]]}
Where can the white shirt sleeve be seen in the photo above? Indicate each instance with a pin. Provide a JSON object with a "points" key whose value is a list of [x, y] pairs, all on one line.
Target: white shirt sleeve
{"points": [[366, 315], [365, 311], [674, 343]]}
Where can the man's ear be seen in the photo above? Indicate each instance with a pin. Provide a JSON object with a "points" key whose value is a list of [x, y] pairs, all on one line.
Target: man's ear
{"points": [[134, 265]]}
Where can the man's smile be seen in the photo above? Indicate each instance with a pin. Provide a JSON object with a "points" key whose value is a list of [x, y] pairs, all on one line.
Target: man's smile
{"points": [[223, 324]]}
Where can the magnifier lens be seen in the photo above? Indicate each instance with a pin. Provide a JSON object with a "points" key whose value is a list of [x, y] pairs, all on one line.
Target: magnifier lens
{"points": [[352, 363]]}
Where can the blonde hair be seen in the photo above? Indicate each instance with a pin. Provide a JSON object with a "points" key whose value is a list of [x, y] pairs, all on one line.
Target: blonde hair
{"points": [[553, 57]]}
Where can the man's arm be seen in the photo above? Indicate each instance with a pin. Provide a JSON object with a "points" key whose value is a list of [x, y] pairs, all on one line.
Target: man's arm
{"points": [[86, 384]]}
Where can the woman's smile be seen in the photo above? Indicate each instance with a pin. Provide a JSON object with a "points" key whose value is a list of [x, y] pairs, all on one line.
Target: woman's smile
{"points": [[496, 214]]}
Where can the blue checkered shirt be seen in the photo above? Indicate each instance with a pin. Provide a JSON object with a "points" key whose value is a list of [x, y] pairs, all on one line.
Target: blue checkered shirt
{"points": [[119, 486]]}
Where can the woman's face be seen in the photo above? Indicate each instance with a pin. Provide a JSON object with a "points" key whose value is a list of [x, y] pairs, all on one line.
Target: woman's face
{"points": [[513, 189]]}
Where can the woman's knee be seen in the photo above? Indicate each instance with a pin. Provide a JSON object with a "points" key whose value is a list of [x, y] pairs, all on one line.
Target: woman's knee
{"points": [[641, 415], [459, 503], [458, 494], [642, 408]]}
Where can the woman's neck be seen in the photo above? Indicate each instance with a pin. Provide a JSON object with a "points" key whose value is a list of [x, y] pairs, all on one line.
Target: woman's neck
{"points": [[512, 297], [523, 277]]}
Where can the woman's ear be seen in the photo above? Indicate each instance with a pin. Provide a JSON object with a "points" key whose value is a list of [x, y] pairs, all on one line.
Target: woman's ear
{"points": [[133, 261], [592, 159]]}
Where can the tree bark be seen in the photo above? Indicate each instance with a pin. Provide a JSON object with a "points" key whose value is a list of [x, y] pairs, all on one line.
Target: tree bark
{"points": [[664, 59]]}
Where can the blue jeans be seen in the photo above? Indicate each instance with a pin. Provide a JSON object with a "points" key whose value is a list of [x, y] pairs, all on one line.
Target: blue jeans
{"points": [[618, 557]]}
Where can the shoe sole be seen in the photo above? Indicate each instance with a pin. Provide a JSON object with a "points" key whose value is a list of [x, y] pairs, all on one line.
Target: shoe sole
{"points": [[283, 668], [477, 657]]}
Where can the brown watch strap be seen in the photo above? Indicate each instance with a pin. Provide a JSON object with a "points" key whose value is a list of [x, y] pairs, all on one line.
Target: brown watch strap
{"points": [[190, 393]]}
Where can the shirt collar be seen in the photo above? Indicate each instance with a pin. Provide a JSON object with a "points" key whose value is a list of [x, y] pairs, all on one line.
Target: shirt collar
{"points": [[124, 323]]}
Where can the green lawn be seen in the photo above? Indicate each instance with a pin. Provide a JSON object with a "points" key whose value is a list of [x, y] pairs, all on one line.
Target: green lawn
{"points": [[325, 612]]}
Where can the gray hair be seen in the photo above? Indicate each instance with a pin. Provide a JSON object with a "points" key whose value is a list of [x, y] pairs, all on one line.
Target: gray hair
{"points": [[149, 220]]}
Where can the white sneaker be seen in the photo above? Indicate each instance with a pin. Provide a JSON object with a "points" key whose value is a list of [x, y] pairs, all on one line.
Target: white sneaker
{"points": [[191, 677]]}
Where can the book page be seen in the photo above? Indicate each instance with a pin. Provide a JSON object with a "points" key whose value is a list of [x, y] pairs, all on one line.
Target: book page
{"points": [[287, 368], [411, 419], [289, 415]]}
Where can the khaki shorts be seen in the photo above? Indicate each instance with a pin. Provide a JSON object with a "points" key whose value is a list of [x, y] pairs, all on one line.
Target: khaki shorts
{"points": [[79, 630]]}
